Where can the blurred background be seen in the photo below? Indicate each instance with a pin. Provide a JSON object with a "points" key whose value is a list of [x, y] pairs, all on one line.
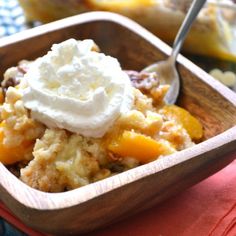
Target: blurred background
{"points": [[211, 42]]}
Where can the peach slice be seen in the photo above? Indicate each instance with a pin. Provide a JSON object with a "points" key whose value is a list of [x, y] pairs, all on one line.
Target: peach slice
{"points": [[11, 155], [182, 116], [139, 146]]}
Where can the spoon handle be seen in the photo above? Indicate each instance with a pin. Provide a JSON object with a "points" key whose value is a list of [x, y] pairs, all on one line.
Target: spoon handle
{"points": [[196, 6]]}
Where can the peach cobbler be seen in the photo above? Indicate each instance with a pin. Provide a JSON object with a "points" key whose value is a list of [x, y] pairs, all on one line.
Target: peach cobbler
{"points": [[73, 117]]}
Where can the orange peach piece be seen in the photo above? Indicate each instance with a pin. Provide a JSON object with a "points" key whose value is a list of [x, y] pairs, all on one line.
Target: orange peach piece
{"points": [[138, 146], [189, 122], [11, 155]]}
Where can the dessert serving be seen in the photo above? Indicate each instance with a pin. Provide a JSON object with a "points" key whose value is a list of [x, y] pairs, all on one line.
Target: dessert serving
{"points": [[102, 202], [73, 117]]}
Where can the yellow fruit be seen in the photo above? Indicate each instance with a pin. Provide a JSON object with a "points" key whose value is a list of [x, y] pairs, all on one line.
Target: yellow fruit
{"points": [[183, 117], [11, 155], [139, 146], [116, 4]]}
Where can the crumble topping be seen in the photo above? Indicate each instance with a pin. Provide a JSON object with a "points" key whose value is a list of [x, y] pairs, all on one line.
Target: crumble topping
{"points": [[59, 160]]}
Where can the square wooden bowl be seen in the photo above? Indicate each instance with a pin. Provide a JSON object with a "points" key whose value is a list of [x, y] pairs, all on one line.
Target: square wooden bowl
{"points": [[101, 203]]}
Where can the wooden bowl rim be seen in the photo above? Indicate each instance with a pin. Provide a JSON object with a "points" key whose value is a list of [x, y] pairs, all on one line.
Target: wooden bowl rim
{"points": [[55, 201]]}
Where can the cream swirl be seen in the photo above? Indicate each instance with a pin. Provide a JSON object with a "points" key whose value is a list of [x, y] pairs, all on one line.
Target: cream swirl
{"points": [[75, 88]]}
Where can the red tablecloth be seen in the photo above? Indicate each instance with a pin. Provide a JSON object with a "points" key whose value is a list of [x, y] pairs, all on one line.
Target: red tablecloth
{"points": [[206, 209]]}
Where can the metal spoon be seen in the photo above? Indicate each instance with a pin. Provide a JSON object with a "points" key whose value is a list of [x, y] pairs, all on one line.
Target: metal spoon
{"points": [[166, 70]]}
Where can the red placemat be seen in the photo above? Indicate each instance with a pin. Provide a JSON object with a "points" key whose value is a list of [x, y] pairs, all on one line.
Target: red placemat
{"points": [[6, 214], [206, 209]]}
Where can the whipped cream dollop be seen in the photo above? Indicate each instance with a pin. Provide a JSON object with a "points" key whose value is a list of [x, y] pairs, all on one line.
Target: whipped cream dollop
{"points": [[78, 89]]}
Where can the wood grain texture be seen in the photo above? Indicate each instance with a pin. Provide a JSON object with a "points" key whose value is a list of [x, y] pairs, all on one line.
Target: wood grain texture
{"points": [[99, 204]]}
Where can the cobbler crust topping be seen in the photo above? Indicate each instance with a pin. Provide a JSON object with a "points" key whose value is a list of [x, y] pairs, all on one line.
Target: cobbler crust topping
{"points": [[55, 159]]}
